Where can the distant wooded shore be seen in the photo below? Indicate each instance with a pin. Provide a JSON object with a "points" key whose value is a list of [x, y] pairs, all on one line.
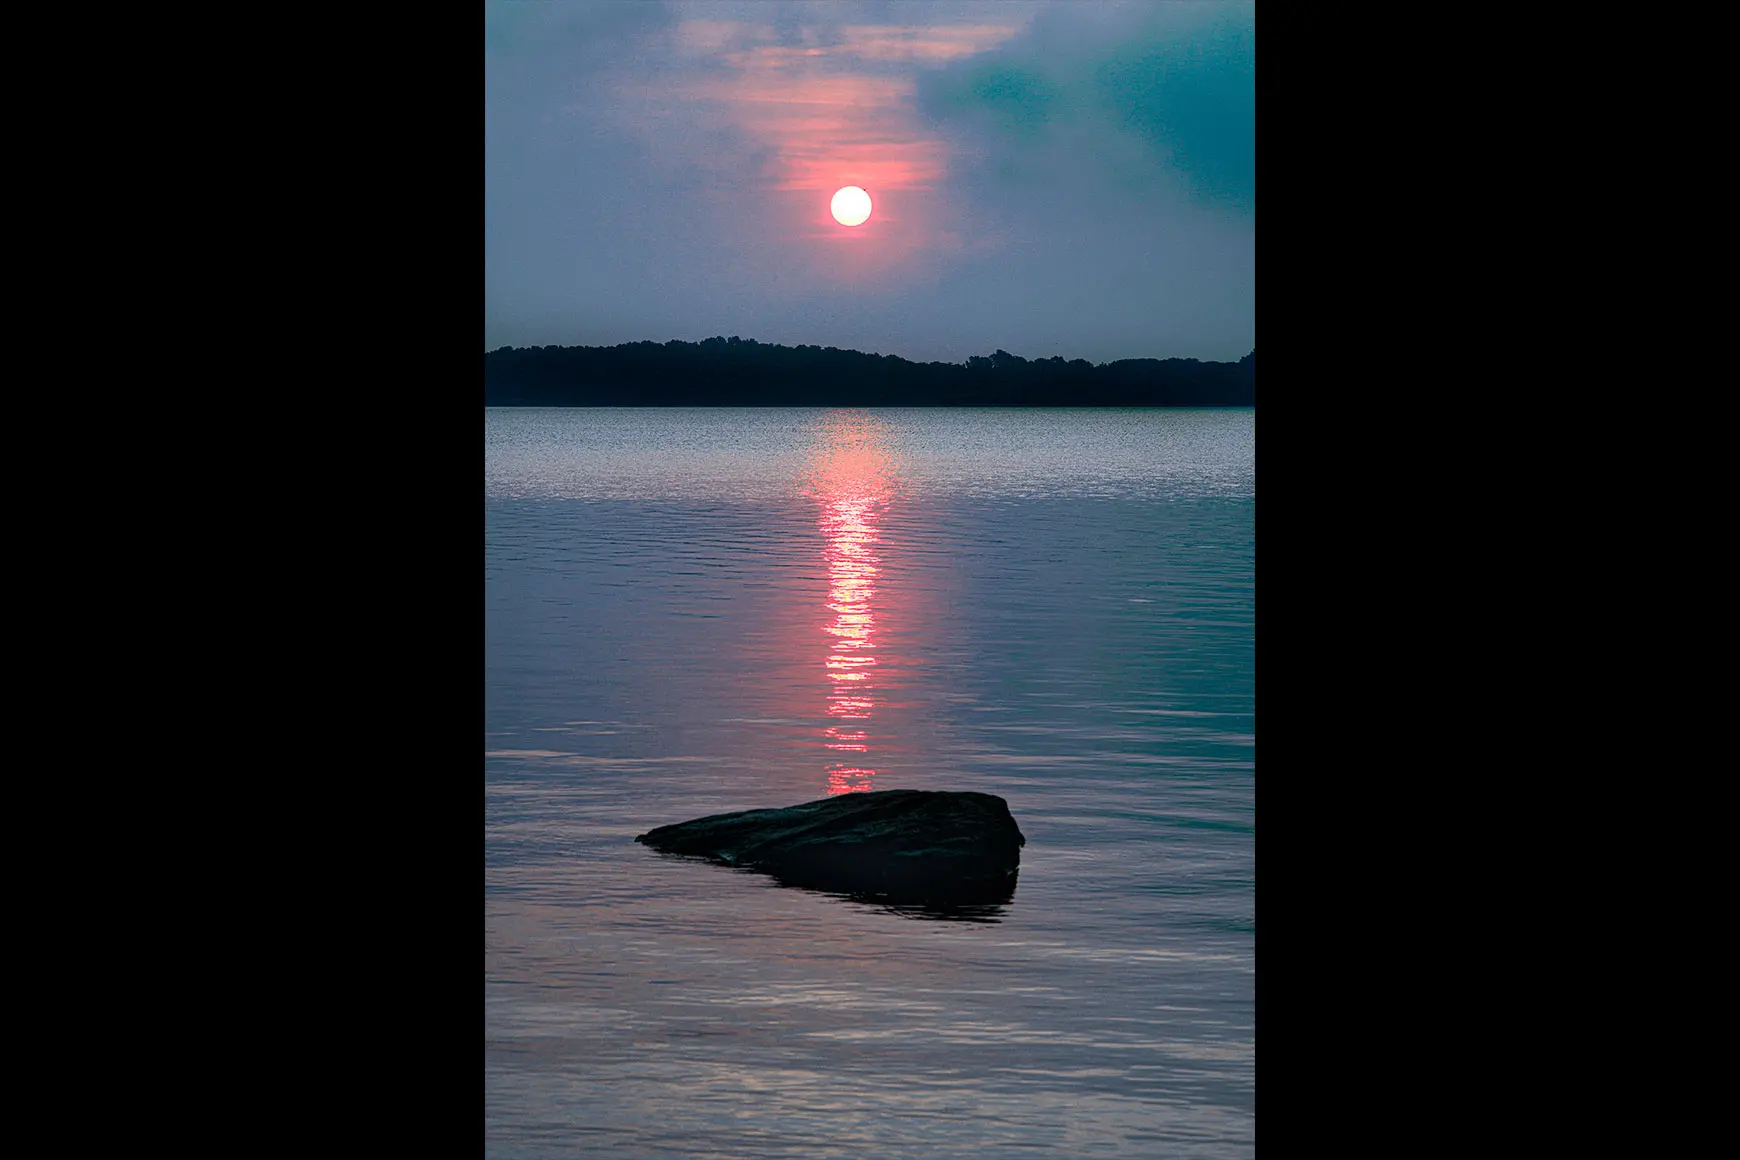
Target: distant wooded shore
{"points": [[742, 372]]}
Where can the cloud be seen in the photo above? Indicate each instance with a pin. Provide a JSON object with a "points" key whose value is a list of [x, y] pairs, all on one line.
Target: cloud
{"points": [[586, 33], [829, 108], [1162, 94]]}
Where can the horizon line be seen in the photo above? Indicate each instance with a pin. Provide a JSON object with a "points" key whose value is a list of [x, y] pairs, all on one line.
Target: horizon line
{"points": [[740, 341]]}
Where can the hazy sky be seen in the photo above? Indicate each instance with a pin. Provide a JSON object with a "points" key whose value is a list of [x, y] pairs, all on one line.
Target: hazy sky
{"points": [[1074, 178]]}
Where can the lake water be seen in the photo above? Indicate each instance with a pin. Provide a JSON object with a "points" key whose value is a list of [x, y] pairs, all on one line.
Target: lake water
{"points": [[693, 611]]}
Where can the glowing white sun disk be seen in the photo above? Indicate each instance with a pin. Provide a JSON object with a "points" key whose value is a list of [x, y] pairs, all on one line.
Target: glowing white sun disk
{"points": [[851, 206]]}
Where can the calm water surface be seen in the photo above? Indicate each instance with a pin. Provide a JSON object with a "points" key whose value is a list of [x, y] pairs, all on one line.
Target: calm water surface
{"points": [[690, 611]]}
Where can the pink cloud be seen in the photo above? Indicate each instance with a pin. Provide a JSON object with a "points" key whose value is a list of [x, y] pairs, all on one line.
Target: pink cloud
{"points": [[833, 115]]}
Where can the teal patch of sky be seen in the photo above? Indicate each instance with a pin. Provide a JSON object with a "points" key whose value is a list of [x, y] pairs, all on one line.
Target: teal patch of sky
{"points": [[1195, 100]]}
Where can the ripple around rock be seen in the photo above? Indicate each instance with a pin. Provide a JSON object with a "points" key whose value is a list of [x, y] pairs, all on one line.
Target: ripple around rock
{"points": [[898, 846]]}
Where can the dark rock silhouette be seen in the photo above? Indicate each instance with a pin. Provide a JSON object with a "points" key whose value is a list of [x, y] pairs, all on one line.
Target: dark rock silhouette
{"points": [[898, 846], [721, 372]]}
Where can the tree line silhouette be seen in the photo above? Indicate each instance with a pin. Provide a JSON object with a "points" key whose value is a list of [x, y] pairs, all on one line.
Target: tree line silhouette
{"points": [[743, 372]]}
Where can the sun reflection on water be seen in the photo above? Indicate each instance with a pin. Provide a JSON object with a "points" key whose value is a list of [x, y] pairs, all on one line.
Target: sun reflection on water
{"points": [[853, 490]]}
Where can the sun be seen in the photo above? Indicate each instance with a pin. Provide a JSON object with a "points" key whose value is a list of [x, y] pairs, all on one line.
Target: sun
{"points": [[851, 206]]}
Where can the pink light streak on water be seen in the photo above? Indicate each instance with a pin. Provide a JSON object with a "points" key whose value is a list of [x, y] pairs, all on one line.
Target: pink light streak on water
{"points": [[853, 494]]}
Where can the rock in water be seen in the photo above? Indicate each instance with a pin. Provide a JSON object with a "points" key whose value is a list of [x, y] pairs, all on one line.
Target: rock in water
{"points": [[899, 845]]}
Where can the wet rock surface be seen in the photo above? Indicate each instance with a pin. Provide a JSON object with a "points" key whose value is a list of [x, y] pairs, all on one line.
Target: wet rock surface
{"points": [[898, 846]]}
